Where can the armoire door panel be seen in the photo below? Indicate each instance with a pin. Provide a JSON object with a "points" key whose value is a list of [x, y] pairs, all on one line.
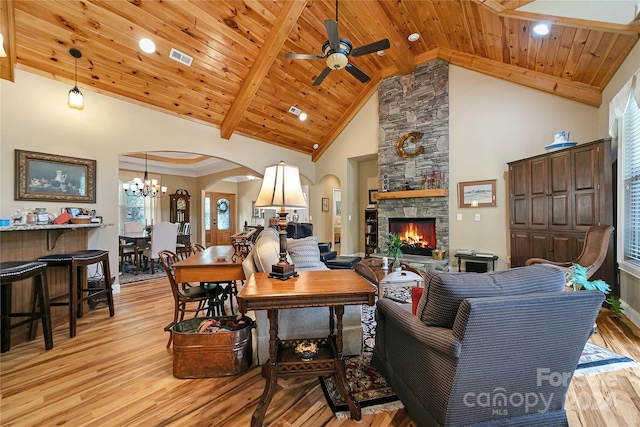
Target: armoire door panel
{"points": [[540, 246], [585, 210], [519, 180], [560, 211], [519, 249], [585, 176], [539, 212], [559, 167], [519, 215], [562, 248], [538, 183]]}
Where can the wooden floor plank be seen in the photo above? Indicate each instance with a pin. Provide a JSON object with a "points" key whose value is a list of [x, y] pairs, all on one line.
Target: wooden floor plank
{"points": [[117, 371]]}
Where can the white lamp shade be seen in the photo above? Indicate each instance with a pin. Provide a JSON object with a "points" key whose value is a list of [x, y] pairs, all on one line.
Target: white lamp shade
{"points": [[281, 188], [75, 98]]}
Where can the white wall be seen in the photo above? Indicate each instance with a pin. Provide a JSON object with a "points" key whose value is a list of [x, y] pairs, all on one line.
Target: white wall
{"points": [[35, 117]]}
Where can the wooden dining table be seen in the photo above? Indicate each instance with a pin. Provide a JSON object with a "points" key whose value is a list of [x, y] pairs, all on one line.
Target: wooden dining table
{"points": [[214, 264]]}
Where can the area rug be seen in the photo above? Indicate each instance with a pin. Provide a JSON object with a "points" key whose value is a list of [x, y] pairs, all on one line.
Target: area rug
{"points": [[127, 275], [595, 360], [368, 387]]}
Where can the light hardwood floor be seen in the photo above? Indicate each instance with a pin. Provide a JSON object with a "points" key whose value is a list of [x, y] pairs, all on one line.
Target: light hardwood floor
{"points": [[117, 372]]}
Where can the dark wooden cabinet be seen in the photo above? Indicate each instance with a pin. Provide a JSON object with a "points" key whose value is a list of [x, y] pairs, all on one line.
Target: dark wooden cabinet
{"points": [[179, 207], [370, 231], [554, 198]]}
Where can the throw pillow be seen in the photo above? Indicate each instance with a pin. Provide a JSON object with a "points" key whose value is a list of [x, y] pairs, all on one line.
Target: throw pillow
{"points": [[416, 295], [305, 252], [444, 292]]}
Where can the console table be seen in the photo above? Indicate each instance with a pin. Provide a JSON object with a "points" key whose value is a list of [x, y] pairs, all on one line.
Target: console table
{"points": [[477, 258], [333, 289]]}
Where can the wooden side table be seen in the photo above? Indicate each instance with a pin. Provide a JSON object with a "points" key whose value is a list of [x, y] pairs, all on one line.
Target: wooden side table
{"points": [[333, 289], [477, 258]]}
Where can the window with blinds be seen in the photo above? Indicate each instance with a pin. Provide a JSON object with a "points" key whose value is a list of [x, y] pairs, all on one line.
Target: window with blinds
{"points": [[630, 142]]}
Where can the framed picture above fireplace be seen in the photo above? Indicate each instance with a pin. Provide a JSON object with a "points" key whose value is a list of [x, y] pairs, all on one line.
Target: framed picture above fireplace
{"points": [[475, 194]]}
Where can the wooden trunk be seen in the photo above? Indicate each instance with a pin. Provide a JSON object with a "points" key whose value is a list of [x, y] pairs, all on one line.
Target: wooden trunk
{"points": [[206, 355]]}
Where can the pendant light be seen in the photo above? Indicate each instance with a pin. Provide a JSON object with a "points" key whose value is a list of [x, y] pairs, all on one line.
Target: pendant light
{"points": [[75, 96]]}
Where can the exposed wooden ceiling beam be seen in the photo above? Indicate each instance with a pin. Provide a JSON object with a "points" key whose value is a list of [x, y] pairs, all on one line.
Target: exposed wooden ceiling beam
{"points": [[576, 91], [8, 28], [346, 118], [286, 20], [491, 4], [573, 22]]}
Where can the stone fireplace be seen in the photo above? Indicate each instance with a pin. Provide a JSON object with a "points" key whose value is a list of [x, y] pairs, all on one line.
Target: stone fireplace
{"points": [[418, 102]]}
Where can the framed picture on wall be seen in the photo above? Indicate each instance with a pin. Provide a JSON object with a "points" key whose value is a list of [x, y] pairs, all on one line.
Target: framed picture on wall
{"points": [[373, 197], [474, 194], [41, 176], [325, 204]]}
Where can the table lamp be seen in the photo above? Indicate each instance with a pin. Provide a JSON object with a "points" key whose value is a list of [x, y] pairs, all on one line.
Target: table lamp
{"points": [[281, 189]]}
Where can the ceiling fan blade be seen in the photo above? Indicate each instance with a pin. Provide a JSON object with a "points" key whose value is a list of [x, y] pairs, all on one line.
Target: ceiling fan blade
{"points": [[321, 77], [357, 73], [303, 56], [370, 48], [332, 33]]}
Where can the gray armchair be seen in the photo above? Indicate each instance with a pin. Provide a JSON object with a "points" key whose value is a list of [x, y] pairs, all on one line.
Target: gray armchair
{"points": [[499, 356]]}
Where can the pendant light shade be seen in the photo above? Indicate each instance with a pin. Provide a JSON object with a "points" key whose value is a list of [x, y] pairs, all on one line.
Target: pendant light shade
{"points": [[76, 99]]}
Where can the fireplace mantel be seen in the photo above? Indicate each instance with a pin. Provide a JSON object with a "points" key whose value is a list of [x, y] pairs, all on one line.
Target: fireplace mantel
{"points": [[410, 194]]}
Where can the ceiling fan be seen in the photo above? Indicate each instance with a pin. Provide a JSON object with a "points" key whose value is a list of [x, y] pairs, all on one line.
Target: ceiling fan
{"points": [[337, 50]]}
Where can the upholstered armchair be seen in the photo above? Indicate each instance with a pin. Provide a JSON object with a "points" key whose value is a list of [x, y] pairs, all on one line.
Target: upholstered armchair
{"points": [[483, 349]]}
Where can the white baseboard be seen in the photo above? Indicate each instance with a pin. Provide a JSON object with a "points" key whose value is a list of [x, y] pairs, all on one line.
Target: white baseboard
{"points": [[631, 314]]}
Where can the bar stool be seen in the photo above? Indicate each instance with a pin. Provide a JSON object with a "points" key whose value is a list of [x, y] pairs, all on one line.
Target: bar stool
{"points": [[79, 290], [16, 271]]}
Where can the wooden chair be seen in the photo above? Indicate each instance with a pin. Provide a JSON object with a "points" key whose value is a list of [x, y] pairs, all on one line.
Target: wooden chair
{"points": [[594, 251], [225, 289], [182, 297]]}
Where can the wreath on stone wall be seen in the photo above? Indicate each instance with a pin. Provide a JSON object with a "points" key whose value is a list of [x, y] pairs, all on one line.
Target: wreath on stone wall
{"points": [[223, 205]]}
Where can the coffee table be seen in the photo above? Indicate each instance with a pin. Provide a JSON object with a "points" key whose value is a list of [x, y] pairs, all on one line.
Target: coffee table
{"points": [[332, 289]]}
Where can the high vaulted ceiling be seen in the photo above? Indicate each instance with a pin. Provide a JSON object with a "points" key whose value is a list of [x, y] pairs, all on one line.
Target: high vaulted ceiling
{"points": [[241, 82]]}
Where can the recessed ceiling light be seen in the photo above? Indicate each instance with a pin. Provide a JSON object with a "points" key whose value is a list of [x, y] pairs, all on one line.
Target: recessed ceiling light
{"points": [[315, 146], [413, 37], [302, 116], [147, 45], [541, 29]]}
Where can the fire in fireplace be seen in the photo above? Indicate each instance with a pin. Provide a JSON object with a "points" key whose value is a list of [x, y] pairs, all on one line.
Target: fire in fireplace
{"points": [[418, 234]]}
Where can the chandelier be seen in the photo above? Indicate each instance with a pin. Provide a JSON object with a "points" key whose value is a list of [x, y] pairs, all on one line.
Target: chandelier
{"points": [[144, 187]]}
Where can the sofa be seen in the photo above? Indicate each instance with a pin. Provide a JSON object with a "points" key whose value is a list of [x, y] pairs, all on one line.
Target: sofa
{"points": [[486, 349], [298, 322]]}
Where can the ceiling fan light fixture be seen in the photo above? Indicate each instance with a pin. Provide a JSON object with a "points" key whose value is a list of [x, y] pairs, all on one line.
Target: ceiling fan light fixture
{"points": [[147, 45], [541, 29], [413, 37], [337, 61]]}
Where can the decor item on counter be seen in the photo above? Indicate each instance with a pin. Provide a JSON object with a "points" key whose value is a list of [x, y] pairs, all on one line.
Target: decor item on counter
{"points": [[41, 176], [325, 204], [144, 187], [281, 188], [76, 100], [413, 138], [473, 194]]}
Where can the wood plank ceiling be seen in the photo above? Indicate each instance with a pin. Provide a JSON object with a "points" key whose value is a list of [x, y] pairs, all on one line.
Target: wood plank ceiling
{"points": [[241, 82]]}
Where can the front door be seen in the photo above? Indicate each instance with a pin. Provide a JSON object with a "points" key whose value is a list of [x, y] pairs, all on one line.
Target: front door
{"points": [[220, 223]]}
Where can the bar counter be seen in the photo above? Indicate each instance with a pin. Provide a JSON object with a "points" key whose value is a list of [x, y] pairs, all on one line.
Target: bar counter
{"points": [[28, 243]]}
